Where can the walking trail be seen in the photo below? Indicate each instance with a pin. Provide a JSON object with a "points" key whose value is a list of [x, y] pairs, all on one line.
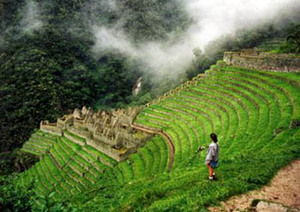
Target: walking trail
{"points": [[284, 189]]}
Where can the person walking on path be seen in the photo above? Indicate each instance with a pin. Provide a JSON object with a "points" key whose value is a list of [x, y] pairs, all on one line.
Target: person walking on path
{"points": [[212, 156]]}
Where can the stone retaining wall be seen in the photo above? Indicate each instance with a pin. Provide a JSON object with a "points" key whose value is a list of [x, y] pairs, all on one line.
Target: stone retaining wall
{"points": [[253, 59], [50, 128]]}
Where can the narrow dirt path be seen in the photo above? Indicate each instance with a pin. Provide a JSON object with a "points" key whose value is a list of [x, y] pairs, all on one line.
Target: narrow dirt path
{"points": [[166, 138], [284, 189]]}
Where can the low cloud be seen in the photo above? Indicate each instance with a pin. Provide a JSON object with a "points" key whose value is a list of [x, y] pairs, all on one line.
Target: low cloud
{"points": [[211, 19], [31, 17]]}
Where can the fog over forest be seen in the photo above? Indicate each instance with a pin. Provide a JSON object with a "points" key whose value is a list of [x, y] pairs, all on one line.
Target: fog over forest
{"points": [[206, 21], [209, 20]]}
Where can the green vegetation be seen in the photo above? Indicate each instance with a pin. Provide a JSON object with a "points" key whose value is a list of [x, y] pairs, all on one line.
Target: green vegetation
{"points": [[65, 169], [12, 198], [292, 44], [250, 110], [48, 68]]}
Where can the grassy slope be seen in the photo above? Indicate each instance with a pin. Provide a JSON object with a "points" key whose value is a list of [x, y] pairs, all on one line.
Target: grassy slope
{"points": [[251, 111]]}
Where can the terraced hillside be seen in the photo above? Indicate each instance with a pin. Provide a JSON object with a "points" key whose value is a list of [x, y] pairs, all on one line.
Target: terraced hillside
{"points": [[256, 115], [245, 108], [65, 168]]}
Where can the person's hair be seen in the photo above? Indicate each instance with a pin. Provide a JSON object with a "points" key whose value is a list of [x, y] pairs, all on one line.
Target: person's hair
{"points": [[213, 137]]}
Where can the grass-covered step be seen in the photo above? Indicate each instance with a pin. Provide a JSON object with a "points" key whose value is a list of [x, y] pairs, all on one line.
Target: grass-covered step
{"points": [[280, 94], [53, 168], [83, 153], [144, 120], [46, 135], [235, 101], [42, 144], [188, 117], [280, 86], [69, 144], [175, 132], [189, 125], [209, 104], [77, 168], [236, 98], [47, 172], [138, 166], [103, 158], [76, 177], [170, 114], [64, 154], [66, 168], [260, 105], [32, 150], [56, 156], [153, 158], [269, 97], [118, 174], [75, 138], [71, 180], [219, 100], [283, 97], [43, 138], [271, 102], [98, 167], [157, 152], [126, 170], [234, 113], [39, 143], [80, 160], [43, 181], [35, 146], [196, 119], [218, 114], [90, 177], [60, 191], [199, 109]]}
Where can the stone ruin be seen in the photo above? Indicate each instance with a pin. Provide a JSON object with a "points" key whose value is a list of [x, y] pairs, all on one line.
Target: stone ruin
{"points": [[108, 131], [254, 59]]}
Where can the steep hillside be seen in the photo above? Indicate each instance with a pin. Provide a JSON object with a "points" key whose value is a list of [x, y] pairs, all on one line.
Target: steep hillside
{"points": [[255, 114]]}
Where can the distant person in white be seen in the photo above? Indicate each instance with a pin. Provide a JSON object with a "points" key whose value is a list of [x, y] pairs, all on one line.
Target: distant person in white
{"points": [[212, 156]]}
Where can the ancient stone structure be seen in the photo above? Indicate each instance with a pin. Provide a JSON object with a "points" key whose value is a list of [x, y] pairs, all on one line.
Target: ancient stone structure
{"points": [[252, 58], [109, 132], [50, 128]]}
